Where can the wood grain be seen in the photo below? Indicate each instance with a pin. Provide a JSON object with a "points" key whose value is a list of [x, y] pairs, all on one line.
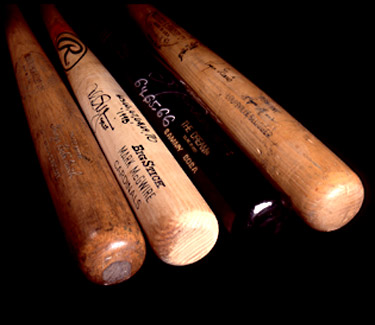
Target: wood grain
{"points": [[322, 188], [179, 224], [98, 222]]}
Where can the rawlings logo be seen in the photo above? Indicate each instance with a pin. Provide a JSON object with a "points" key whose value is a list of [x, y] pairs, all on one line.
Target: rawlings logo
{"points": [[71, 50]]}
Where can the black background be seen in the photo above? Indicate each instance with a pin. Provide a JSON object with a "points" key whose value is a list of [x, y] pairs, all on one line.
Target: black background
{"points": [[312, 59]]}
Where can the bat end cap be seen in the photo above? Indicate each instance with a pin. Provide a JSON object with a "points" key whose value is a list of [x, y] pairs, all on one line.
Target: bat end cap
{"points": [[112, 257], [334, 203], [187, 242]]}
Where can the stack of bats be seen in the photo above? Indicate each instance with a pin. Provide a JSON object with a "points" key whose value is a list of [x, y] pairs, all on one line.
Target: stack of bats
{"points": [[170, 159]]}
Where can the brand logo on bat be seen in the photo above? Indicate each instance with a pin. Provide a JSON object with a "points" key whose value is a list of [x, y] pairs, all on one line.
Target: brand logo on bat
{"points": [[71, 50]]}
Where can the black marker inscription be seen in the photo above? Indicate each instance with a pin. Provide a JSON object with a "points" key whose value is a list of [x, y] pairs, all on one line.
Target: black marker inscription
{"points": [[249, 115], [99, 103], [224, 72], [188, 47], [128, 113]]}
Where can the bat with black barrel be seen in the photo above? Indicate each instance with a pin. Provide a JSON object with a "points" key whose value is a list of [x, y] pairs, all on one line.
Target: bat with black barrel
{"points": [[235, 189]]}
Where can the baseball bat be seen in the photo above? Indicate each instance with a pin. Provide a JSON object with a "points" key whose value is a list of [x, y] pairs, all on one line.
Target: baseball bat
{"points": [[98, 222], [323, 190], [178, 223], [200, 146]]}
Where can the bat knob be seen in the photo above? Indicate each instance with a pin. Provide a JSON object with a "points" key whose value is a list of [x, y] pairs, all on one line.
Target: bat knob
{"points": [[117, 272], [111, 257]]}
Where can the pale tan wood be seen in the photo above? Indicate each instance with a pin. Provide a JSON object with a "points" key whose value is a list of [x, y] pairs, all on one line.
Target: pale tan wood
{"points": [[179, 224], [323, 189], [99, 224]]}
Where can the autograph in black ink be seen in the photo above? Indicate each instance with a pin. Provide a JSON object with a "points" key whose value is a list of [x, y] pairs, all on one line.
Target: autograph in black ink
{"points": [[99, 103]]}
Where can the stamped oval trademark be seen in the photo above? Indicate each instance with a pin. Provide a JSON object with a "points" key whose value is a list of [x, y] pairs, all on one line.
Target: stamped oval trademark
{"points": [[161, 32], [71, 50]]}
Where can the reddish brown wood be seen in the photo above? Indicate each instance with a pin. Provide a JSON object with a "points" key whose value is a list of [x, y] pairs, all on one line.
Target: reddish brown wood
{"points": [[98, 222]]}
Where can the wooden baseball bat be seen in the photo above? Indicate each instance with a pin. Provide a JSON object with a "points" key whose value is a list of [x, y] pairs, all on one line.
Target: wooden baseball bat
{"points": [[324, 191], [98, 222], [246, 205], [179, 224]]}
